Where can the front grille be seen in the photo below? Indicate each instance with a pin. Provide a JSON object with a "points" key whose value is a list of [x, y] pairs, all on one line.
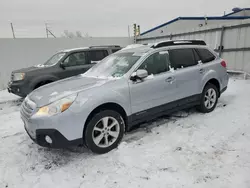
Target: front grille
{"points": [[27, 108]]}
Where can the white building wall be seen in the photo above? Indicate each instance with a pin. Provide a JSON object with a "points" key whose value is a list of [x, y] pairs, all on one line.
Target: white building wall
{"points": [[20, 53], [186, 25], [236, 37]]}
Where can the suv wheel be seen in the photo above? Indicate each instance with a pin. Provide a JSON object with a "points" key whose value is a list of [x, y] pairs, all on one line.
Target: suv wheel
{"points": [[209, 98], [104, 131]]}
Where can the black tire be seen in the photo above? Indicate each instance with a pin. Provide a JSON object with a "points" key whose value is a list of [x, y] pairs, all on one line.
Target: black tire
{"points": [[202, 107], [88, 133]]}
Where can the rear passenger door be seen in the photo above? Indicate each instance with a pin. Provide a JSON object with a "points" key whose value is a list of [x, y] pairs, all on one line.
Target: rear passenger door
{"points": [[187, 72], [97, 55]]}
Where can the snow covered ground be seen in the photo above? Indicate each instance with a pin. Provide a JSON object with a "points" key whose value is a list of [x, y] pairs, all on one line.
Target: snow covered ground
{"points": [[188, 149]]}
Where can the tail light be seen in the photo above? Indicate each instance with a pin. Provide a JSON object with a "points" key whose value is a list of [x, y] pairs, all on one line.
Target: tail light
{"points": [[223, 64]]}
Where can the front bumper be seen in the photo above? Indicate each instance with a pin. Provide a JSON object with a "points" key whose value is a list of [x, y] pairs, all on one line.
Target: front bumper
{"points": [[58, 140], [19, 88], [64, 129]]}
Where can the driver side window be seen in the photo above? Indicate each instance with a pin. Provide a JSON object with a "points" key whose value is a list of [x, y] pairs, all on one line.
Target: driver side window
{"points": [[75, 59], [156, 63]]}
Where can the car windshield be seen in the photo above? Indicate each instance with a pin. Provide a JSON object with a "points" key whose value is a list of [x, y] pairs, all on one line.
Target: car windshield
{"points": [[115, 65], [54, 59]]}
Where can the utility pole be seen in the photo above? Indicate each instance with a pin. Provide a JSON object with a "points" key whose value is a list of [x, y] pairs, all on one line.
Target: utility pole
{"points": [[135, 36], [205, 19], [13, 33], [128, 31], [48, 31], [46, 27], [138, 30]]}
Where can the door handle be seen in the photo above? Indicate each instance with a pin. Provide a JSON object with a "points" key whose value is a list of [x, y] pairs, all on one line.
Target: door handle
{"points": [[202, 71], [170, 79]]}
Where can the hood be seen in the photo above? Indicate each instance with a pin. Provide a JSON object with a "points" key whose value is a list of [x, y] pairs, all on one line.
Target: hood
{"points": [[60, 89], [28, 69]]}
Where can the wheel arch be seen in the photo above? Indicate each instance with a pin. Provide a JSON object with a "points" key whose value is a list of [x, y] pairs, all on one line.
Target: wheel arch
{"points": [[108, 106], [215, 82], [41, 83], [46, 79]]}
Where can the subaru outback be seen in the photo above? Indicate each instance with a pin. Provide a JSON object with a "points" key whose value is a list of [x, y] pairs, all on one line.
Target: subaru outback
{"points": [[131, 86]]}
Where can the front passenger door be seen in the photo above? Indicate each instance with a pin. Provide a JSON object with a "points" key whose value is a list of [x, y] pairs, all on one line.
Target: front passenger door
{"points": [[150, 96], [76, 63]]}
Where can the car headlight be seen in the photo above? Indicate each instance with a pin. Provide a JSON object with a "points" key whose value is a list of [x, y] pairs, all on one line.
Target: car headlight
{"points": [[18, 76], [56, 107]]}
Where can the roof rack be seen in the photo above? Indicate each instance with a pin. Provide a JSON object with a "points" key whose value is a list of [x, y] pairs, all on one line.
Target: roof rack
{"points": [[178, 42], [116, 46]]}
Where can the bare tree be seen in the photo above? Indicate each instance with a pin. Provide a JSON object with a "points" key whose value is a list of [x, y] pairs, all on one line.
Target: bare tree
{"points": [[68, 34], [77, 34], [86, 35]]}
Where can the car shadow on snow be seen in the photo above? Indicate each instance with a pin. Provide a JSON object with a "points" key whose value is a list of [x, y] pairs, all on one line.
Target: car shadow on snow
{"points": [[51, 158], [10, 103]]}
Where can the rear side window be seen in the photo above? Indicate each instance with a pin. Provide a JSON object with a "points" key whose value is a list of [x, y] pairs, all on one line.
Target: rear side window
{"points": [[205, 55], [97, 55], [181, 58]]}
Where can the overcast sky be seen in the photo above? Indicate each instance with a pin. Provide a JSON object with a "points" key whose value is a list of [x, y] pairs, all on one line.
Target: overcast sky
{"points": [[101, 17]]}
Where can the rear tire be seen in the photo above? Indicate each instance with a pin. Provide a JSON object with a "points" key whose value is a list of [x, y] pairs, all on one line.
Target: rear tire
{"points": [[209, 98], [104, 131]]}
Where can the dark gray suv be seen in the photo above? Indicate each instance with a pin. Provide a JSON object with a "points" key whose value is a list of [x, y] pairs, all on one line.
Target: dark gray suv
{"points": [[63, 64]]}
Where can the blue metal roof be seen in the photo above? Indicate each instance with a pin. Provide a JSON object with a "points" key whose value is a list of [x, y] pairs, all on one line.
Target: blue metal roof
{"points": [[197, 18], [236, 12]]}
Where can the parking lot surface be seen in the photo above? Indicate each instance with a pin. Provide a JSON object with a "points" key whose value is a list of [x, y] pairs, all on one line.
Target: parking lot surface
{"points": [[186, 149]]}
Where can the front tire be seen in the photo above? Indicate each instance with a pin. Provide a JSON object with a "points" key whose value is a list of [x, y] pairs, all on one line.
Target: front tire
{"points": [[104, 131], [209, 98]]}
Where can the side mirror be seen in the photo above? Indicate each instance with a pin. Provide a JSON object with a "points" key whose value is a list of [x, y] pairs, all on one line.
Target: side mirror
{"points": [[139, 74], [62, 65]]}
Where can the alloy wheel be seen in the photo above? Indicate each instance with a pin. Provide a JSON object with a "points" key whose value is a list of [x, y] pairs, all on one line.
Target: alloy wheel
{"points": [[106, 132]]}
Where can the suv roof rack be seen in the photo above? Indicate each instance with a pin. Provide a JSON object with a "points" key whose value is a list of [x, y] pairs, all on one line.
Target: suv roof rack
{"points": [[178, 42], [115, 46]]}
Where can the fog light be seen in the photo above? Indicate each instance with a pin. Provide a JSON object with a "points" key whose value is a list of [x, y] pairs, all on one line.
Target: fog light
{"points": [[48, 139]]}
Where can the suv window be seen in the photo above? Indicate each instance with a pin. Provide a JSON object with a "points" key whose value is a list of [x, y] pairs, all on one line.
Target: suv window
{"points": [[181, 58], [156, 63], [205, 55], [97, 55], [55, 58], [115, 50], [76, 59], [115, 65]]}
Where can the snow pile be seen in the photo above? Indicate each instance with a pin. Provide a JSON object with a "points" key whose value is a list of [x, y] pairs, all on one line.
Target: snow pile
{"points": [[187, 149]]}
